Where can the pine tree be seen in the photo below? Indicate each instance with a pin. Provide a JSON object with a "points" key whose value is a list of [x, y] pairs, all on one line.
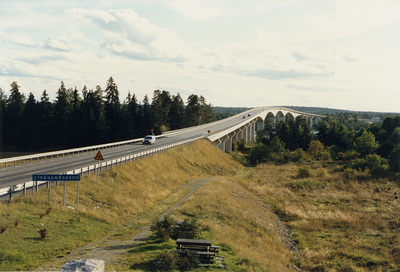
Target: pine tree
{"points": [[30, 124], [13, 116], [112, 109], [177, 113]]}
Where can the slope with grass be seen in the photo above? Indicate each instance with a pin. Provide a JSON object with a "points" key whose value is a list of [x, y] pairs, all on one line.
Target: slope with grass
{"points": [[338, 225]]}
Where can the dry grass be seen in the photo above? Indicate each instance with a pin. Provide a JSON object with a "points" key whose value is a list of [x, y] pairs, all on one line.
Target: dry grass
{"points": [[122, 194], [339, 225], [240, 223]]}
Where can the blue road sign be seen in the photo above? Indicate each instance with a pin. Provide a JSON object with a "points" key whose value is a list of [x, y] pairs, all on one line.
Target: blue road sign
{"points": [[50, 177]]}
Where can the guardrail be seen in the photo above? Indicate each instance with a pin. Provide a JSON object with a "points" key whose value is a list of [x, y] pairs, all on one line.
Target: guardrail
{"points": [[22, 159], [22, 188]]}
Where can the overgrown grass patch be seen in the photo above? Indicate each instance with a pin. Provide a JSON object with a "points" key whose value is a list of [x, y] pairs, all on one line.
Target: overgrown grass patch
{"points": [[338, 224]]}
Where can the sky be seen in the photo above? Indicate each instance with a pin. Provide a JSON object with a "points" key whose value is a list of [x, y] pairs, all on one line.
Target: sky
{"points": [[333, 54]]}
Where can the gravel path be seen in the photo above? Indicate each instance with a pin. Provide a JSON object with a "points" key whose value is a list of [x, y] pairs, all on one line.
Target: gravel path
{"points": [[110, 247]]}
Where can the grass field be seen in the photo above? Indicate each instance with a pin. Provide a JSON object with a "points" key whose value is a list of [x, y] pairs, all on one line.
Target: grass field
{"points": [[336, 224]]}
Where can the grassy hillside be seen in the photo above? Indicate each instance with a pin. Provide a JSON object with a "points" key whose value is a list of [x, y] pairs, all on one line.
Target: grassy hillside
{"points": [[337, 224]]}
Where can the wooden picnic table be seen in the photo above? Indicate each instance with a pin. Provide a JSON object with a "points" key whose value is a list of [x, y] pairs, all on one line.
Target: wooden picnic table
{"points": [[202, 248]]}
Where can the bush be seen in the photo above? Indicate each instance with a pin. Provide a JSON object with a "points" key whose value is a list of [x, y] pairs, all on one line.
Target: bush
{"points": [[299, 155], [321, 172], [303, 172], [166, 261], [163, 228], [258, 153], [378, 166], [188, 229], [168, 228], [170, 261], [350, 174], [241, 144]]}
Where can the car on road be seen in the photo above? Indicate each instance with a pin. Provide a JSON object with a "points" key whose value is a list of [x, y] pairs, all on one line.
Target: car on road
{"points": [[149, 139]]}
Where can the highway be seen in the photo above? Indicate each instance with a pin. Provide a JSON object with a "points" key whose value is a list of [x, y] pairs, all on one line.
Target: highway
{"points": [[21, 173]]}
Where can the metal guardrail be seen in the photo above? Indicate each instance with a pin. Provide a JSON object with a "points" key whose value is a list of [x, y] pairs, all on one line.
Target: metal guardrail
{"points": [[22, 159], [22, 188]]}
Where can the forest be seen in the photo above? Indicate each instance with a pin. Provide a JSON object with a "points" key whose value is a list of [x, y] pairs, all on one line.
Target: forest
{"points": [[91, 116], [362, 148]]}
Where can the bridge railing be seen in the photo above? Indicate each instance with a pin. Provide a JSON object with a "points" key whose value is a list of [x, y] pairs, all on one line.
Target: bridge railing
{"points": [[22, 188], [66, 152]]}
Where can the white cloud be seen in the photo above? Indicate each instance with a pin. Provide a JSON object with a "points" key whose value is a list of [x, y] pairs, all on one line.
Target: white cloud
{"points": [[132, 36], [200, 10], [20, 40]]}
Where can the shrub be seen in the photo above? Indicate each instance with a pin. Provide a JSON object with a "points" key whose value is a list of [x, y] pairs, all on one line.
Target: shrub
{"points": [[170, 261], [163, 228], [166, 261], [321, 172], [307, 184], [298, 155], [303, 172], [241, 144], [168, 228], [188, 229], [378, 165], [258, 153], [350, 174]]}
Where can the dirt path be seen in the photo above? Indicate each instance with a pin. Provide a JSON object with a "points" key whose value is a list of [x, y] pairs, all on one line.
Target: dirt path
{"points": [[111, 247]]}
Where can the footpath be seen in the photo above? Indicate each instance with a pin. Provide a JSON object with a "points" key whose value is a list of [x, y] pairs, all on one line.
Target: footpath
{"points": [[111, 247]]}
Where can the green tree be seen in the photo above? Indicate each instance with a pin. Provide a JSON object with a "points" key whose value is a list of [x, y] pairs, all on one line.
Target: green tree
{"points": [[112, 110], [394, 159], [146, 114], [92, 115], [192, 112], [61, 114], [161, 110], [13, 116], [131, 116], [258, 153], [30, 123], [366, 144], [177, 112], [3, 99], [45, 112]]}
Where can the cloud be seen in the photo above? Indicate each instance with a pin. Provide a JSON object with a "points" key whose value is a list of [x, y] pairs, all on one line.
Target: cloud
{"points": [[201, 10], [61, 43], [127, 34], [20, 40]]}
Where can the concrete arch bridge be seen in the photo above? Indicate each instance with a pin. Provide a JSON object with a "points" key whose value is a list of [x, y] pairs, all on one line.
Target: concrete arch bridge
{"points": [[254, 120]]}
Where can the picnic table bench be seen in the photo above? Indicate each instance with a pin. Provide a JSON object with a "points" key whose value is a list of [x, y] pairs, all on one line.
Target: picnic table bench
{"points": [[202, 248]]}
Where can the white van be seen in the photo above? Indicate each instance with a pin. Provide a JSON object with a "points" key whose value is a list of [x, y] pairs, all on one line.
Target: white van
{"points": [[149, 139]]}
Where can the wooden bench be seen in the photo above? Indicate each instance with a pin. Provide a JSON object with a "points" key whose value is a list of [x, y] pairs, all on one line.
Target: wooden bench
{"points": [[203, 249]]}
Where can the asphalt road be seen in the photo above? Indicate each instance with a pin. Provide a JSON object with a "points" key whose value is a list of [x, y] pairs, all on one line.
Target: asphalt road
{"points": [[13, 175]]}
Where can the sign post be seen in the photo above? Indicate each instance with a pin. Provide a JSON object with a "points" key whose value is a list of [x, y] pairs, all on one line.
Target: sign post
{"points": [[98, 157], [50, 177]]}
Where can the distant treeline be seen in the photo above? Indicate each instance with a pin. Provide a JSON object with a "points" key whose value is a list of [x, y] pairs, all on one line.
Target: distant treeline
{"points": [[88, 117]]}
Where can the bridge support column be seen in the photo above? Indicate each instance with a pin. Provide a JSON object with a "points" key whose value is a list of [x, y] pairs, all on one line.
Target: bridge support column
{"points": [[219, 144], [310, 121], [228, 145], [248, 131], [260, 125], [253, 131]]}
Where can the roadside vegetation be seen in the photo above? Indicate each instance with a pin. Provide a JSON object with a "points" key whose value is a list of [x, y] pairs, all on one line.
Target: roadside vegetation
{"points": [[122, 195], [317, 203]]}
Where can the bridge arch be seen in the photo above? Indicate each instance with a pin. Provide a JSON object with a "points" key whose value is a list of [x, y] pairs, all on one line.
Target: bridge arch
{"points": [[254, 122]]}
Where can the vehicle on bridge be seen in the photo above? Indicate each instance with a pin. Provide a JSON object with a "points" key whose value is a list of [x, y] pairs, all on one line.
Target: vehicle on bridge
{"points": [[149, 139]]}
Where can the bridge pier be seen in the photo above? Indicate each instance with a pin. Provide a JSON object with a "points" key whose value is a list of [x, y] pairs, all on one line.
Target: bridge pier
{"points": [[248, 127]]}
